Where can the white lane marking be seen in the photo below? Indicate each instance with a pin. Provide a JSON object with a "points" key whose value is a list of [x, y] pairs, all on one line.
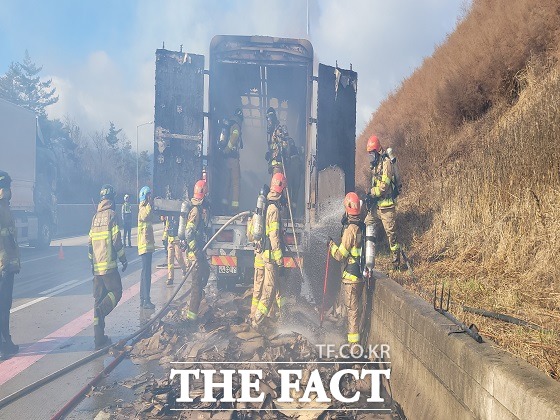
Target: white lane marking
{"points": [[38, 259], [60, 286], [34, 301], [57, 290]]}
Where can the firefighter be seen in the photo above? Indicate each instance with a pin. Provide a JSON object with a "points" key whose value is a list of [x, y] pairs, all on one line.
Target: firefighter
{"points": [[381, 200], [273, 250], [146, 245], [105, 246], [164, 235], [197, 221], [126, 213], [349, 252], [9, 265], [277, 143], [174, 251], [230, 144]]}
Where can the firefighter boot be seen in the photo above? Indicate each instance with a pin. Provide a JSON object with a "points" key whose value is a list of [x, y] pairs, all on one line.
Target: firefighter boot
{"points": [[100, 339], [396, 261], [356, 351], [103, 343], [148, 305], [8, 347]]}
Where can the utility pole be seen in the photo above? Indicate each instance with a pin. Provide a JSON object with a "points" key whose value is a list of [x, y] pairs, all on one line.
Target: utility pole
{"points": [[307, 18], [138, 157]]}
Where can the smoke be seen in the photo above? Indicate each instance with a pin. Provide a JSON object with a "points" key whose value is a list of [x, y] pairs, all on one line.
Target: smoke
{"points": [[102, 60]]}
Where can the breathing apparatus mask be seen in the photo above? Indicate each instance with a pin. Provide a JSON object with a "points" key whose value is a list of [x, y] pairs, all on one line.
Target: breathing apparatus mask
{"points": [[373, 159]]}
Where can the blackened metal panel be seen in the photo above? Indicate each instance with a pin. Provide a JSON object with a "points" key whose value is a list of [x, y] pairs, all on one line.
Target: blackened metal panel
{"points": [[179, 123], [336, 121]]}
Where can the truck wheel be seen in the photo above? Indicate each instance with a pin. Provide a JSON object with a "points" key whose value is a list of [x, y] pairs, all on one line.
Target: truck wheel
{"points": [[44, 235]]}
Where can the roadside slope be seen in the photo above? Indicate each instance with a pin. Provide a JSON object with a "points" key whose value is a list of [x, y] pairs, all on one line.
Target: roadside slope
{"points": [[477, 130]]}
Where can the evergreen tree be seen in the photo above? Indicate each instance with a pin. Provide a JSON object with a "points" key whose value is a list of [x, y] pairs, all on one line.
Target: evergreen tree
{"points": [[37, 95], [112, 138], [22, 85], [10, 84]]}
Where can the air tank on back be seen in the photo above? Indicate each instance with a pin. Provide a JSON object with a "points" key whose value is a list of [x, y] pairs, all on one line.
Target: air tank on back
{"points": [[258, 217], [370, 250], [185, 207]]}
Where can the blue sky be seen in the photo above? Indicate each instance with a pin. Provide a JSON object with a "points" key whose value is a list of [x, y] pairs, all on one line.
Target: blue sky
{"points": [[100, 54]]}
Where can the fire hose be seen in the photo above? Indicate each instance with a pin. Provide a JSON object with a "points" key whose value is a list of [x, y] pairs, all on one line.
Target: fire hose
{"points": [[133, 336]]}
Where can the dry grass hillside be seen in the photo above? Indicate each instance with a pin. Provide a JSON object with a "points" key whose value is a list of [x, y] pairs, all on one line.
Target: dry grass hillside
{"points": [[477, 130]]}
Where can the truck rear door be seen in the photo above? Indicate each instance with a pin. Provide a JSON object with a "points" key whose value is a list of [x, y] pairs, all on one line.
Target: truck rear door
{"points": [[336, 130], [178, 123]]}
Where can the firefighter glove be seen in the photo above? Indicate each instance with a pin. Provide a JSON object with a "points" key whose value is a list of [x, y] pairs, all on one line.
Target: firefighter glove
{"points": [[183, 245], [344, 219]]}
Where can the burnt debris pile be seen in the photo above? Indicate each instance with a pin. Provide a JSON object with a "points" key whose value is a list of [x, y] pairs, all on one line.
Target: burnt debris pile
{"points": [[224, 340]]}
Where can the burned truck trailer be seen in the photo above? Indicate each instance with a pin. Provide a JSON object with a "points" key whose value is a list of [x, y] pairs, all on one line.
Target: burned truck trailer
{"points": [[253, 74]]}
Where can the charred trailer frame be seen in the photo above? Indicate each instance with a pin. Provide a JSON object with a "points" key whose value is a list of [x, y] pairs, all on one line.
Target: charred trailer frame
{"points": [[178, 123]]}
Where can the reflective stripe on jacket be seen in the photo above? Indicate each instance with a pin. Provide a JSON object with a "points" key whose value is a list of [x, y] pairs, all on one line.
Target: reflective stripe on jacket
{"points": [[381, 183], [146, 241], [105, 244], [349, 252], [273, 252], [9, 250], [233, 144], [193, 231]]}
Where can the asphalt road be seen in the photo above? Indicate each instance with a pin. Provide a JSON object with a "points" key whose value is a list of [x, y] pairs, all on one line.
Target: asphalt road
{"points": [[52, 321]]}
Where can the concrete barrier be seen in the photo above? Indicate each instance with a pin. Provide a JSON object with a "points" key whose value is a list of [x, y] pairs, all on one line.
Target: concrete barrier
{"points": [[435, 375], [75, 219]]}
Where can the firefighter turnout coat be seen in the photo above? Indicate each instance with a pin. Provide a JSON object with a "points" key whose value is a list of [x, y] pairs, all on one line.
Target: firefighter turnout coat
{"points": [[146, 241], [105, 244], [382, 182], [349, 252], [273, 258]]}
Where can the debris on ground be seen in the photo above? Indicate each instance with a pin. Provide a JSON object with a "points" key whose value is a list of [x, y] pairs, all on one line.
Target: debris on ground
{"points": [[224, 339]]}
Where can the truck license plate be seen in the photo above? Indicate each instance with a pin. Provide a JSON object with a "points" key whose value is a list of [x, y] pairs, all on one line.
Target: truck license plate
{"points": [[226, 269]]}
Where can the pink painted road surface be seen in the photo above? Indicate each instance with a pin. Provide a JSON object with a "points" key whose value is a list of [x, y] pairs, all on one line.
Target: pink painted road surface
{"points": [[34, 352]]}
